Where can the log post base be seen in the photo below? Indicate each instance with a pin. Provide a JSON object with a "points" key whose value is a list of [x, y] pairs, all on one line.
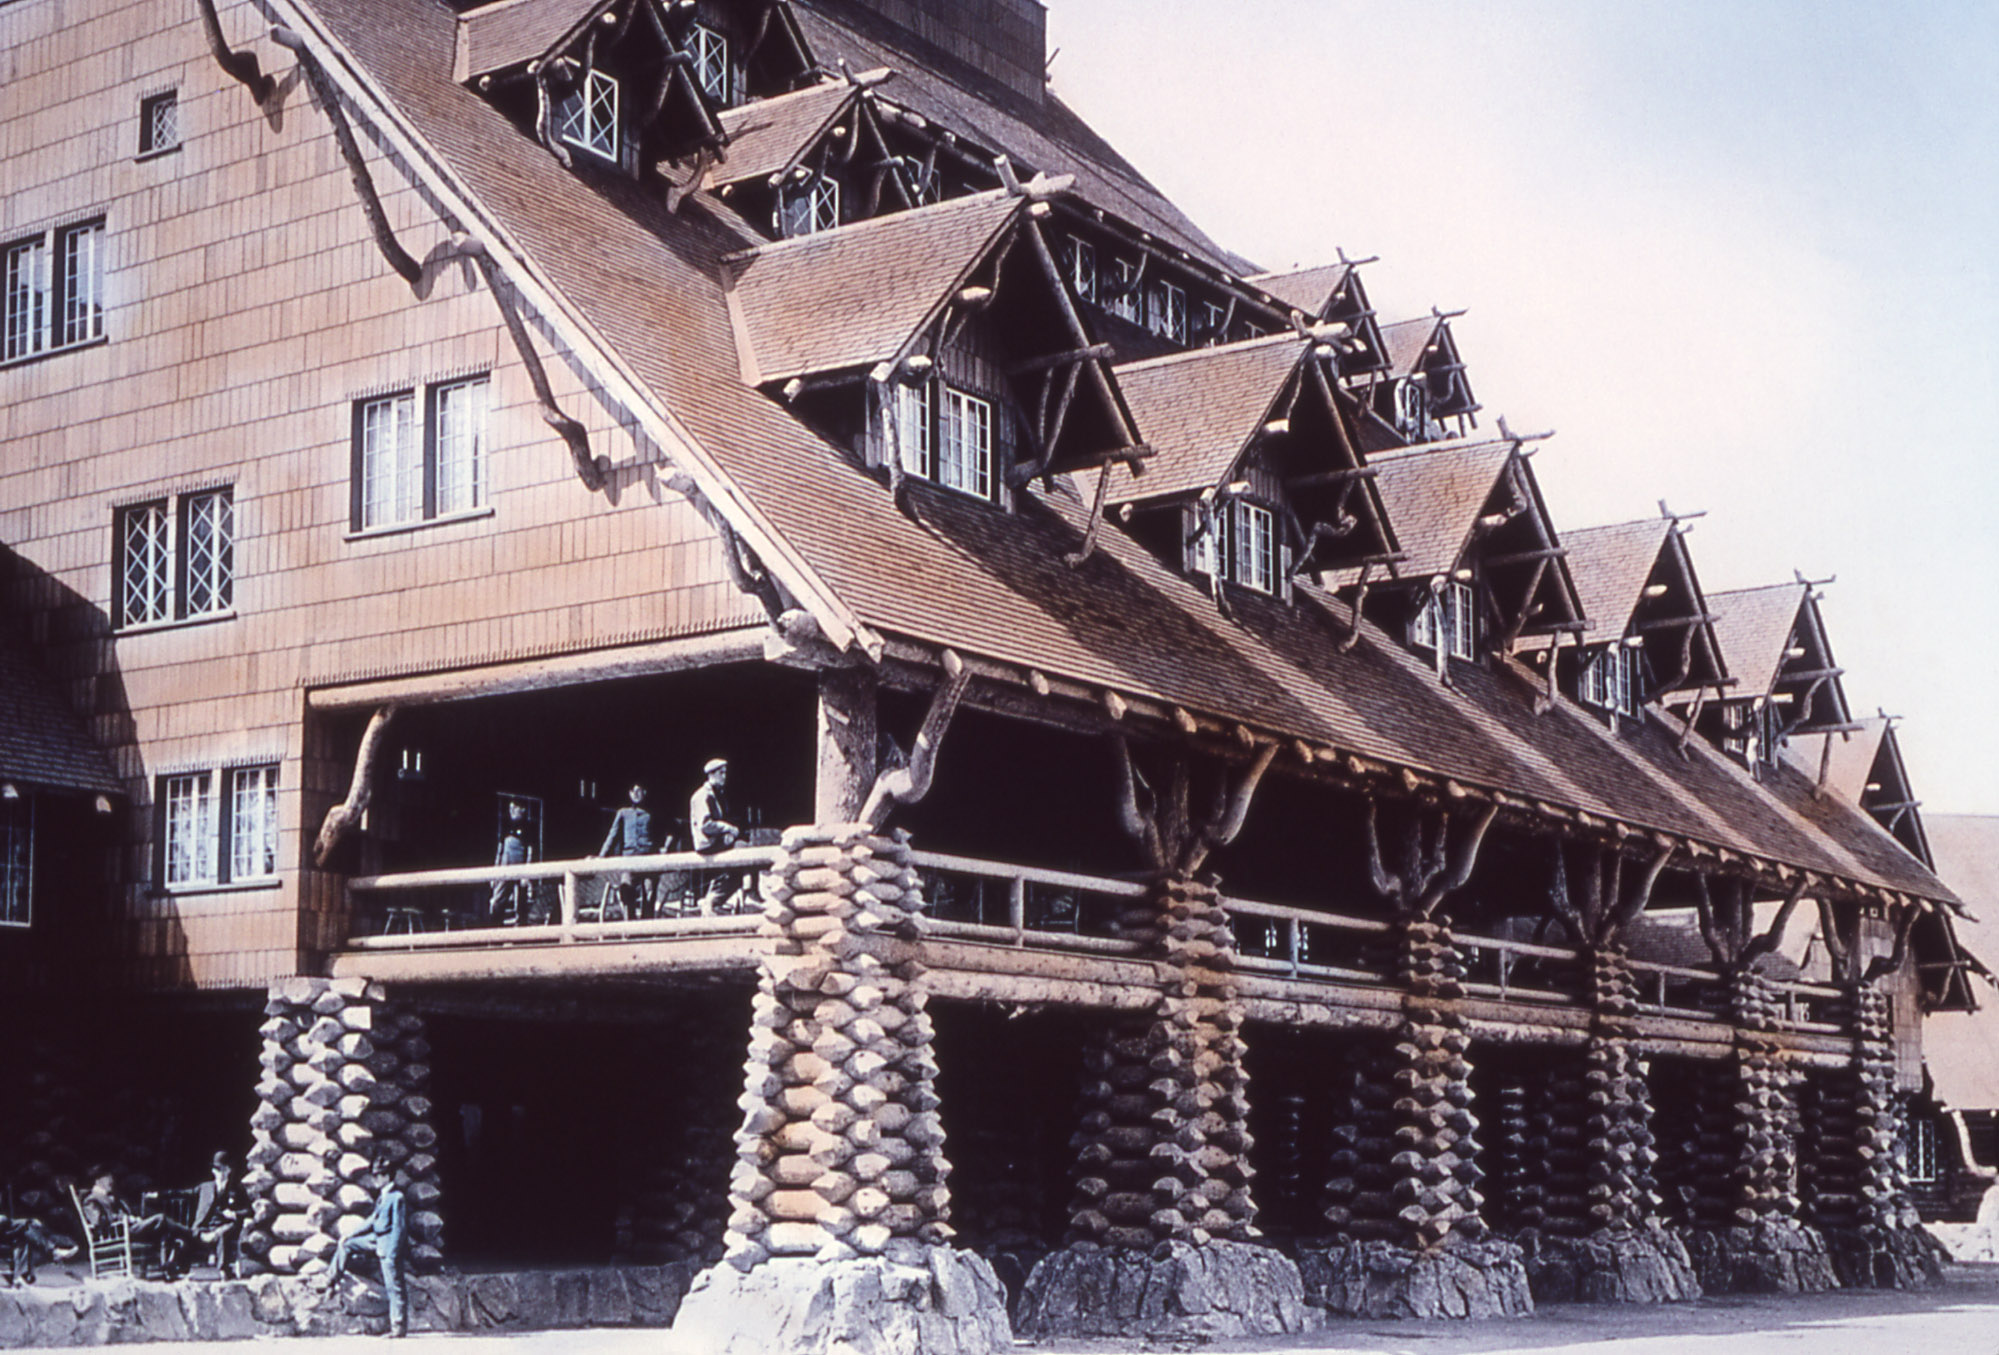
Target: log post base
{"points": [[1646, 1264], [1461, 1279], [1177, 1290], [930, 1301], [346, 1077]]}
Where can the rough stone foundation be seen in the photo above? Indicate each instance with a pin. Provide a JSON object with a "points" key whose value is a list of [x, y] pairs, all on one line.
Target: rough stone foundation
{"points": [[948, 1304], [1212, 1291], [1463, 1279], [1772, 1257], [1632, 1265], [1878, 1257], [273, 1305]]}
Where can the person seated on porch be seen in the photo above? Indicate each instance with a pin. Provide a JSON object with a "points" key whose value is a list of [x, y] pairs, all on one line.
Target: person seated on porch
{"points": [[708, 823], [633, 834], [385, 1237], [27, 1244], [512, 899], [219, 1211], [102, 1209]]}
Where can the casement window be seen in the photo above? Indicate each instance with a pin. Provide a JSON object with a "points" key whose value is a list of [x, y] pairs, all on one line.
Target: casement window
{"points": [[218, 827], [415, 461], [1925, 1167], [1611, 679], [1214, 321], [1121, 296], [1412, 408], [588, 116], [1448, 619], [175, 561], [1082, 268], [54, 290], [1166, 311], [715, 67], [17, 859], [1242, 542], [159, 123], [945, 435], [808, 208]]}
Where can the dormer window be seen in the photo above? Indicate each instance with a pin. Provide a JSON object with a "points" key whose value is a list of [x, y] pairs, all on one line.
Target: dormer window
{"points": [[1242, 535], [1166, 312], [1122, 299], [720, 78], [1214, 323], [1751, 732], [1447, 619], [1611, 680], [1411, 408], [946, 435], [808, 208], [589, 116], [1082, 269]]}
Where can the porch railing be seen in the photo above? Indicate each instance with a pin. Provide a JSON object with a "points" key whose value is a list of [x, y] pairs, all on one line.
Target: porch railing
{"points": [[994, 903]]}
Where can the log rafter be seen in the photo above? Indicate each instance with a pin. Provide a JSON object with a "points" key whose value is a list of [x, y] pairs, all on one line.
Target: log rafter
{"points": [[241, 66]]}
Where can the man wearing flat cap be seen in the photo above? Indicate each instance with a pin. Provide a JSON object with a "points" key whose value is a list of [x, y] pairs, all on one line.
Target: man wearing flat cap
{"points": [[708, 824]]}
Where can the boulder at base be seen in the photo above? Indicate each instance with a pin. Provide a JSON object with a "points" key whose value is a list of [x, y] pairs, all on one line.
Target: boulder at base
{"points": [[1209, 1291], [950, 1303], [1381, 1279]]}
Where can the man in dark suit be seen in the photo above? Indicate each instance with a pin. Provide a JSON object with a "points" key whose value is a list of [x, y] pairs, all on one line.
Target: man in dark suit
{"points": [[219, 1212]]}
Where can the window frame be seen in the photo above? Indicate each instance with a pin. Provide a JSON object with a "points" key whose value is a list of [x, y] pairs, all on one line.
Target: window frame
{"points": [[219, 579], [417, 496], [212, 849], [1448, 618], [1166, 311], [1925, 1151], [819, 197], [711, 49], [1127, 305], [1253, 543], [17, 834], [50, 296], [150, 142], [1610, 680], [172, 577], [576, 115], [929, 418], [1082, 263]]}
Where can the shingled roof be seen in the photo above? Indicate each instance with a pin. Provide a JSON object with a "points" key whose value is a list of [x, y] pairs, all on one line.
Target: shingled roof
{"points": [[510, 33], [1434, 494], [1198, 410], [644, 284], [767, 135], [1310, 290], [42, 743], [1753, 625], [1610, 565], [853, 297]]}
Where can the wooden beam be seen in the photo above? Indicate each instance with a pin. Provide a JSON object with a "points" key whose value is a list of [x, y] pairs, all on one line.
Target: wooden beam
{"points": [[1524, 557], [1101, 351], [1331, 477]]}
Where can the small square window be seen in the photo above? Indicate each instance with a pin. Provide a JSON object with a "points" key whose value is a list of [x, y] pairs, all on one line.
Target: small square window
{"points": [[808, 208], [159, 123]]}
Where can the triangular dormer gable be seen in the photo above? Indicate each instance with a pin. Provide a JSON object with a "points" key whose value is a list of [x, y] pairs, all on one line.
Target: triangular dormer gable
{"points": [[1785, 679], [852, 325], [1261, 419], [1424, 383], [1334, 293], [1862, 764]]}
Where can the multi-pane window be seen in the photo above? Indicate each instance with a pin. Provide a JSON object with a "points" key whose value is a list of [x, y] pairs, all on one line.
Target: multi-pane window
{"points": [[945, 435], [588, 116], [715, 70], [159, 123], [1166, 312], [17, 860], [175, 565], [414, 461], [1611, 679], [1121, 291], [1447, 618], [1240, 541], [808, 208], [1214, 320], [54, 290], [218, 827], [1924, 1168], [1083, 268]]}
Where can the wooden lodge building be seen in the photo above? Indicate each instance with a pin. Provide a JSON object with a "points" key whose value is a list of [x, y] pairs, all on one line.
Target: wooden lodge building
{"points": [[1194, 796]]}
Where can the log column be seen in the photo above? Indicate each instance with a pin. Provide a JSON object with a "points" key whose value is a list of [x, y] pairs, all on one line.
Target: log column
{"points": [[1436, 1193], [1765, 1174], [344, 1105], [1621, 1157]]}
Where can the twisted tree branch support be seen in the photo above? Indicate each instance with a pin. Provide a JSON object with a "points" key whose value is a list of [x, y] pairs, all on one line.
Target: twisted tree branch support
{"points": [[588, 469], [345, 817], [240, 66], [907, 785]]}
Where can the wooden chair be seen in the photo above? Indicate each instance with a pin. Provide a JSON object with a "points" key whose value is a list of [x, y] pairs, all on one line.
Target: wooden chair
{"points": [[109, 1248]]}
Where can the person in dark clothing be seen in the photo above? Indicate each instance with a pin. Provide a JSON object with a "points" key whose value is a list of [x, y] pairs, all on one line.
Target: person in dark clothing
{"points": [[633, 834], [28, 1244], [219, 1211], [511, 899], [102, 1209], [385, 1236]]}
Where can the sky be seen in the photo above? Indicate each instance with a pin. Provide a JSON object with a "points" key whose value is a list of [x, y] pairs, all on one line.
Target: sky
{"points": [[1737, 256]]}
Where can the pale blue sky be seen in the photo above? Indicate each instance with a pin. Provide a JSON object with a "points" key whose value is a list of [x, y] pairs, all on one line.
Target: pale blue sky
{"points": [[1738, 255]]}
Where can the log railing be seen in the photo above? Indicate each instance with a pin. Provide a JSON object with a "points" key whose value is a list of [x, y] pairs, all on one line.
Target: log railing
{"points": [[555, 902]]}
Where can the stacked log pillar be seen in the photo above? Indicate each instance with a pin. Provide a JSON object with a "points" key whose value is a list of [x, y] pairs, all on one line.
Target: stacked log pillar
{"points": [[1622, 1159], [839, 1208], [1162, 1235], [344, 1106], [1436, 1193]]}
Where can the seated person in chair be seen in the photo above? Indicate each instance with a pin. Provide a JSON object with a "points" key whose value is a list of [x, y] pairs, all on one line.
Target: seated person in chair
{"points": [[219, 1211], [27, 1243], [102, 1210]]}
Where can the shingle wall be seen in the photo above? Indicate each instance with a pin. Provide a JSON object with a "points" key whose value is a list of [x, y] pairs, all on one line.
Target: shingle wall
{"points": [[247, 308]]}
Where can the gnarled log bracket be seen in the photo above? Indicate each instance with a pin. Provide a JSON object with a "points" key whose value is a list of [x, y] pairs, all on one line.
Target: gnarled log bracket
{"points": [[1431, 869], [345, 817], [240, 66], [399, 259], [1728, 922], [908, 784], [589, 469], [746, 570], [1164, 825], [1605, 907]]}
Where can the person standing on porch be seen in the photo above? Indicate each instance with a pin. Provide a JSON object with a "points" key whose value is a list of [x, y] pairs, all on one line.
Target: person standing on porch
{"points": [[708, 824], [632, 834], [385, 1237], [509, 897]]}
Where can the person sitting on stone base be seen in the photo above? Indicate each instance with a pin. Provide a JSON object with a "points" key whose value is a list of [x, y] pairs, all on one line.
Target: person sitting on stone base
{"points": [[385, 1237]]}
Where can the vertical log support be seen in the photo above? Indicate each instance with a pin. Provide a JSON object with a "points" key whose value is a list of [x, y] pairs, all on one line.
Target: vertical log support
{"points": [[839, 1212], [343, 1106], [1765, 1174], [847, 743], [1436, 1193], [1622, 1159]]}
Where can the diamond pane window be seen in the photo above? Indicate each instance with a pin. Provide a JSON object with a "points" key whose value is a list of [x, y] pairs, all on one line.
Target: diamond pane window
{"points": [[460, 435], [145, 578], [253, 823], [208, 531], [965, 444], [589, 116], [1166, 312], [189, 845], [27, 299], [1122, 299], [807, 209], [712, 68], [17, 861], [1083, 269], [80, 249], [391, 461], [159, 123]]}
